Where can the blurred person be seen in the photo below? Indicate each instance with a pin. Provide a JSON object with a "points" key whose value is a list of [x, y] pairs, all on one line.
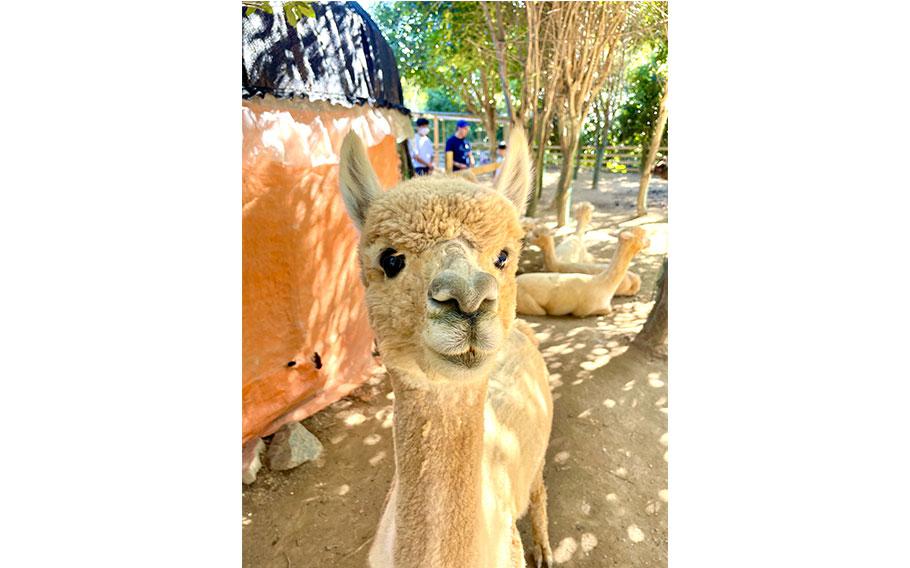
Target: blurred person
{"points": [[423, 154], [458, 144]]}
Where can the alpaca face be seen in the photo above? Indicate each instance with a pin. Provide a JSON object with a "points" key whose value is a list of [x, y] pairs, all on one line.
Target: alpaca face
{"points": [[540, 237], [584, 212], [439, 256]]}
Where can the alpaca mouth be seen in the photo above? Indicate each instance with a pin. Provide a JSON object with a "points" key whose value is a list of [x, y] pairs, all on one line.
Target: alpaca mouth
{"points": [[463, 342], [469, 359]]}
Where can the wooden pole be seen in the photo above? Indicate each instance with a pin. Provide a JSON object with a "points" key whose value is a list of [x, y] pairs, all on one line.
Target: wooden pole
{"points": [[435, 134], [443, 137], [450, 162]]}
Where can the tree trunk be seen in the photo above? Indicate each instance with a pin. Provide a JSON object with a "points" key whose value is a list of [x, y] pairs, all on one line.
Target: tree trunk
{"points": [[498, 40], [490, 129], [404, 159], [564, 189], [648, 161], [601, 150], [480, 103], [569, 140], [654, 334], [539, 161], [578, 155]]}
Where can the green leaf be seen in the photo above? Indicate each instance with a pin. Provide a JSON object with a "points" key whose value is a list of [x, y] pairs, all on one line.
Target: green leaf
{"points": [[307, 10], [290, 12]]}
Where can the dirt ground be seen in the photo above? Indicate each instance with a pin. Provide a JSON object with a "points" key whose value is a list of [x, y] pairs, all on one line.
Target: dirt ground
{"points": [[606, 471]]}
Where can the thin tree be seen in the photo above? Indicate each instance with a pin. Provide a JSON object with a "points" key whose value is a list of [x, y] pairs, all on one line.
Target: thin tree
{"points": [[590, 35], [497, 35], [605, 105], [478, 96], [546, 19], [648, 162], [654, 334]]}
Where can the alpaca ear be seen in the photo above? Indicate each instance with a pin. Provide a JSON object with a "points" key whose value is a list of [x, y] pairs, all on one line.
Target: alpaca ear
{"points": [[359, 184], [515, 179]]}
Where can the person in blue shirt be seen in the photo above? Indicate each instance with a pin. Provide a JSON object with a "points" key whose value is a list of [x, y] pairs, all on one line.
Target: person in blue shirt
{"points": [[458, 144]]}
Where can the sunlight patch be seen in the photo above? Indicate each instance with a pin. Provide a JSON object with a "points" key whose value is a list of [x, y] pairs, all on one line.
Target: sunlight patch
{"points": [[565, 550], [355, 419], [635, 533], [588, 542], [597, 363]]}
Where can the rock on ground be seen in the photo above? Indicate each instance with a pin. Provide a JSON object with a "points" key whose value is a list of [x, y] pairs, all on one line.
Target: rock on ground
{"points": [[251, 460], [291, 446]]}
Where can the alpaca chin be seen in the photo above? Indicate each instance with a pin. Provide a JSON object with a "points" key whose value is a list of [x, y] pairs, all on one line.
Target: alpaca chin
{"points": [[464, 342]]}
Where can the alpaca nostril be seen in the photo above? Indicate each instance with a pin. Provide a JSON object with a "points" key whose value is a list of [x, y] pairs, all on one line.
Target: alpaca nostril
{"points": [[450, 304], [452, 292], [485, 287]]}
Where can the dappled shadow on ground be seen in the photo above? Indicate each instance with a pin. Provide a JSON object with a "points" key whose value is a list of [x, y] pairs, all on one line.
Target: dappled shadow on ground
{"points": [[606, 470], [614, 210]]}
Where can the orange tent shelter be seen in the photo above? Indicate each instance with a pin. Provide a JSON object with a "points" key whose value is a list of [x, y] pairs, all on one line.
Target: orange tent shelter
{"points": [[306, 339]]}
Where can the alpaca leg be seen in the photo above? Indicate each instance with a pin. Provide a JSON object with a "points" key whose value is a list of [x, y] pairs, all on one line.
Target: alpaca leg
{"points": [[527, 305], [543, 555], [630, 285], [518, 551]]}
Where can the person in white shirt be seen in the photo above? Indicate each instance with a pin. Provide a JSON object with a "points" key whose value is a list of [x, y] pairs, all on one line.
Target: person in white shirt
{"points": [[423, 155]]}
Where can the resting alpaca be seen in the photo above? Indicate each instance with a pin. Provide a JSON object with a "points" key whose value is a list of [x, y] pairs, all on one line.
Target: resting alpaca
{"points": [[472, 407], [581, 295], [543, 238], [572, 248]]}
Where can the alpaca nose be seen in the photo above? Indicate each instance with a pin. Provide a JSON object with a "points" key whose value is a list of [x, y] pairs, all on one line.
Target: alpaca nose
{"points": [[468, 294]]}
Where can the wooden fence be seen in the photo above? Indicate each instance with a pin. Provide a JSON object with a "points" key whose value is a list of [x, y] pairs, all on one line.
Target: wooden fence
{"points": [[620, 159], [616, 158]]}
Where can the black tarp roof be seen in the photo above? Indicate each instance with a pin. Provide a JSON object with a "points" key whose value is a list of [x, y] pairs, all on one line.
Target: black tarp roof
{"points": [[339, 56]]}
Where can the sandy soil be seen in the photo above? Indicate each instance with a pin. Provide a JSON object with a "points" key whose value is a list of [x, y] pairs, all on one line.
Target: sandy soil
{"points": [[606, 470]]}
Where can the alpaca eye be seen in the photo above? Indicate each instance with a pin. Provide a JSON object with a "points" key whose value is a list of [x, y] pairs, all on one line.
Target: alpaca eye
{"points": [[500, 261], [390, 263]]}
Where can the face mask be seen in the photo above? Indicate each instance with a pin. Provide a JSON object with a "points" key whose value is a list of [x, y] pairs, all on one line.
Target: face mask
{"points": [[423, 131]]}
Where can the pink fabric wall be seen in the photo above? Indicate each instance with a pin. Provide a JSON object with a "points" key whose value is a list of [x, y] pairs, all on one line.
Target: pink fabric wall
{"points": [[301, 281]]}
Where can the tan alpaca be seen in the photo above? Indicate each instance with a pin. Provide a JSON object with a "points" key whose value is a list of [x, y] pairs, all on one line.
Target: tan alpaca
{"points": [[472, 408], [572, 248], [528, 224], [581, 295], [543, 238]]}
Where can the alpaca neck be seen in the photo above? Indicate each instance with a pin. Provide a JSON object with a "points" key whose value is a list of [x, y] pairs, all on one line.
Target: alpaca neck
{"points": [[549, 254], [438, 432], [610, 279], [580, 228]]}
